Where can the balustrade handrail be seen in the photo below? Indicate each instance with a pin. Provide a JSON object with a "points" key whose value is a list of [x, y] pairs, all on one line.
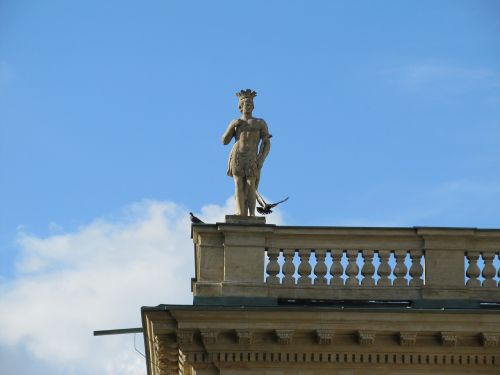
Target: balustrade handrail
{"points": [[346, 262]]}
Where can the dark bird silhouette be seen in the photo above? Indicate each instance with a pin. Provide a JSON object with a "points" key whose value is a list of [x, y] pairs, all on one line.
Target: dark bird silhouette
{"points": [[194, 219], [266, 208]]}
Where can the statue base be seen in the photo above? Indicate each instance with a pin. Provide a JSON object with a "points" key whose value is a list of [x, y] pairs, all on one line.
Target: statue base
{"points": [[246, 220]]}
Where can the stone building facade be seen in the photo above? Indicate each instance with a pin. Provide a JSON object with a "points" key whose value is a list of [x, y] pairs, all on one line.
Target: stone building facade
{"points": [[333, 300]]}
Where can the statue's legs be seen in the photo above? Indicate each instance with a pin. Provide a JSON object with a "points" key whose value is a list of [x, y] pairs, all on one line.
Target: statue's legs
{"points": [[251, 195], [241, 196]]}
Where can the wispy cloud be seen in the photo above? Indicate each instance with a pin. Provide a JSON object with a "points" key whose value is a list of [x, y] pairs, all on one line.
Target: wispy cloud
{"points": [[458, 202], [464, 186], [97, 277], [445, 77]]}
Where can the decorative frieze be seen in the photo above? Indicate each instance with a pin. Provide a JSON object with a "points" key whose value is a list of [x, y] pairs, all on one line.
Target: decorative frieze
{"points": [[341, 358], [256, 346]]}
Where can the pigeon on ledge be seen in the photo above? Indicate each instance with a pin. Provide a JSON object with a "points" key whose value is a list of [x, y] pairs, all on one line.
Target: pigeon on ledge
{"points": [[194, 219]]}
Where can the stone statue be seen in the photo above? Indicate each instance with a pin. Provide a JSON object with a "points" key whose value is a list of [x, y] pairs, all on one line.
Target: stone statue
{"points": [[252, 144]]}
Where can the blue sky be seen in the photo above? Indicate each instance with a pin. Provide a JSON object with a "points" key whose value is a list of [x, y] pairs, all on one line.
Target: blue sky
{"points": [[382, 113]]}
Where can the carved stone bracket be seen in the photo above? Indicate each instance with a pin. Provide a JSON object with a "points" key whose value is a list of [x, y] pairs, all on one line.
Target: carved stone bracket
{"points": [[366, 338], [407, 338], [284, 336], [185, 336], [490, 340], [449, 338], [325, 336], [245, 336], [209, 336], [167, 358]]}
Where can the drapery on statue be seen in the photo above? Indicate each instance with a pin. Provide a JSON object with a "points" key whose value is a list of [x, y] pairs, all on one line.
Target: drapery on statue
{"points": [[251, 146]]}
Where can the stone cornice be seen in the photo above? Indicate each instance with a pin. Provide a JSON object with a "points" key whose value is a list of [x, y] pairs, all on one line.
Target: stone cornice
{"points": [[336, 319], [319, 337], [323, 339]]}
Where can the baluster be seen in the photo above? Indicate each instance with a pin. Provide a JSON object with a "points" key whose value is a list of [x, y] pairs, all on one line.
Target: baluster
{"points": [[368, 268], [400, 270], [384, 270], [352, 269], [416, 269], [288, 267], [320, 268], [489, 270], [473, 270], [304, 267], [336, 270], [498, 270], [273, 267]]}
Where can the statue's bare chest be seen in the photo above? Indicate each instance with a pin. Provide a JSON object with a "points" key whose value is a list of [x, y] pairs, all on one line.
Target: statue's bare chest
{"points": [[249, 129]]}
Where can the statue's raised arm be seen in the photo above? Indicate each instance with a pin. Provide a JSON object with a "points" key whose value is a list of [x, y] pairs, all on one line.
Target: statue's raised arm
{"points": [[251, 147]]}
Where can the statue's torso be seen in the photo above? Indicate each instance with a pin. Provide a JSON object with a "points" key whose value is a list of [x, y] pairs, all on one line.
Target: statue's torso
{"points": [[248, 135]]}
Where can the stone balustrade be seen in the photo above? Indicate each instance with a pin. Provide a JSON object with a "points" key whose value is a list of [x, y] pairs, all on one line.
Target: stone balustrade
{"points": [[346, 263], [340, 268]]}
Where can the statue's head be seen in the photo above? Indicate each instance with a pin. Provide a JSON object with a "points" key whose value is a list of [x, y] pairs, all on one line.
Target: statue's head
{"points": [[245, 100]]}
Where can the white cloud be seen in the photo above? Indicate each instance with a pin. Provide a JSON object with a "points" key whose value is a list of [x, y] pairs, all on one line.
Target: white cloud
{"points": [[97, 277]]}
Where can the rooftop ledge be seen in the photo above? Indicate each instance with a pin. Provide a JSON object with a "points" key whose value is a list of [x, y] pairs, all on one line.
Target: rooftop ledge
{"points": [[252, 259]]}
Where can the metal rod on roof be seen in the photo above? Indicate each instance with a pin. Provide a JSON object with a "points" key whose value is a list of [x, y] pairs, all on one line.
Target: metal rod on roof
{"points": [[122, 331]]}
